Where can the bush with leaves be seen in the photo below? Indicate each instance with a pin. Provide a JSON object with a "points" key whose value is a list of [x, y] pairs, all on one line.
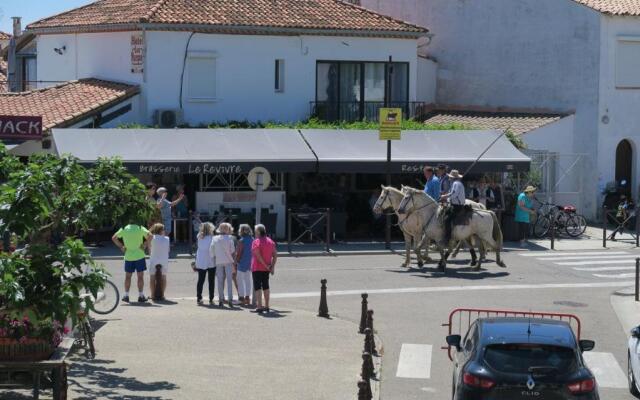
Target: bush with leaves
{"points": [[47, 202]]}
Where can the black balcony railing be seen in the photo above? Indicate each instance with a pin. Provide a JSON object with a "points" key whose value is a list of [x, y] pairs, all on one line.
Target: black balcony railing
{"points": [[367, 110]]}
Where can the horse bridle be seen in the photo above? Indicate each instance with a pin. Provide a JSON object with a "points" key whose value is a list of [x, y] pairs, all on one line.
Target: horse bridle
{"points": [[386, 196], [433, 202]]}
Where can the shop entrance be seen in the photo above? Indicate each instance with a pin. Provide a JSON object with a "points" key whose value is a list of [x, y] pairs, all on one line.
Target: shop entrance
{"points": [[624, 165]]}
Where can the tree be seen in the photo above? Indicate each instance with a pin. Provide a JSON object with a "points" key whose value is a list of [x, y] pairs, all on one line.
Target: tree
{"points": [[47, 203]]}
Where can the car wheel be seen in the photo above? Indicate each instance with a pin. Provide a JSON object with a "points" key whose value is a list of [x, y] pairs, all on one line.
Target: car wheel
{"points": [[633, 387]]}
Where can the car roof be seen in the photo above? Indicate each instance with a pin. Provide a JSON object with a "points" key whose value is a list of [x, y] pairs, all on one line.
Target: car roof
{"points": [[516, 330]]}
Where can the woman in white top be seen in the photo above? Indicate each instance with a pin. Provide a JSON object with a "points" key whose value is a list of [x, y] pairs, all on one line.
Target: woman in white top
{"points": [[204, 262], [223, 253], [158, 257]]}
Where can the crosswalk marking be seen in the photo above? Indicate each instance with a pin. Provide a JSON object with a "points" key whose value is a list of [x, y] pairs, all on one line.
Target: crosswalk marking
{"points": [[598, 262], [616, 276], [556, 253], [606, 370], [604, 268], [415, 361], [590, 257]]}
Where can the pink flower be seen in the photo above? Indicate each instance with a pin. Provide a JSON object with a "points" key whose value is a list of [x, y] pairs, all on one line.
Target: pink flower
{"points": [[66, 330]]}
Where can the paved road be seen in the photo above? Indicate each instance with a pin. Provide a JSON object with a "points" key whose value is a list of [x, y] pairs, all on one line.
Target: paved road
{"points": [[411, 304]]}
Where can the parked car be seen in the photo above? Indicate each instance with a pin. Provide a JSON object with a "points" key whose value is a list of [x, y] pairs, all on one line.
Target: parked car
{"points": [[633, 362], [521, 358]]}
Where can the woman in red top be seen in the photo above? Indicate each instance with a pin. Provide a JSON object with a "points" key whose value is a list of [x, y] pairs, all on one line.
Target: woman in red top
{"points": [[263, 263]]}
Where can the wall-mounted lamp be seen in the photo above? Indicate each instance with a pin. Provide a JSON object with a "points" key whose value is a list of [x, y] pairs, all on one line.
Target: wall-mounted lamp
{"points": [[60, 50]]}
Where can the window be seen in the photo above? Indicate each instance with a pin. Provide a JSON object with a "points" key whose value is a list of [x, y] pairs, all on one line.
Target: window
{"points": [[628, 62], [201, 76], [520, 358], [279, 83]]}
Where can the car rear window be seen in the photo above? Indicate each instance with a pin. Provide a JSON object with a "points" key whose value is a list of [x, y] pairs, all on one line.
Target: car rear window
{"points": [[519, 358]]}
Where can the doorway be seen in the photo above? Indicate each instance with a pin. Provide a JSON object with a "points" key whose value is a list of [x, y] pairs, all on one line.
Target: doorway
{"points": [[624, 164]]}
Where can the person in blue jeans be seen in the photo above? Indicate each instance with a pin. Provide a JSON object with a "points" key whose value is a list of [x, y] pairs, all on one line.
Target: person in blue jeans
{"points": [[524, 209], [243, 264]]}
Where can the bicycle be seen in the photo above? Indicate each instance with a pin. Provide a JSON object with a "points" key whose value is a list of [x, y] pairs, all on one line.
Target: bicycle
{"points": [[564, 218], [107, 299], [86, 333]]}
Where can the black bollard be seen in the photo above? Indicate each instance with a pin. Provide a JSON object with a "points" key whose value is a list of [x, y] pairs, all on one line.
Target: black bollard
{"points": [[367, 366], [370, 342], [370, 320], [363, 314], [364, 390], [323, 310]]}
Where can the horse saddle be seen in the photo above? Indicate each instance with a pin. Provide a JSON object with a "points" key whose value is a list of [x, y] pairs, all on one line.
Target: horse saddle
{"points": [[463, 217]]}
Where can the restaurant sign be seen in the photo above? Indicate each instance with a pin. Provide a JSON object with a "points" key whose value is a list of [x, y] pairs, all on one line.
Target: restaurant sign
{"points": [[20, 127], [137, 53]]}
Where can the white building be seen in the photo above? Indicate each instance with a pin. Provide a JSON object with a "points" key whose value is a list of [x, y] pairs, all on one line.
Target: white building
{"points": [[567, 56], [214, 61]]}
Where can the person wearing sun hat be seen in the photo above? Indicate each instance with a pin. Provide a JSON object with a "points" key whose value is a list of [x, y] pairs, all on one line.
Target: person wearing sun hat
{"points": [[456, 198], [524, 209]]}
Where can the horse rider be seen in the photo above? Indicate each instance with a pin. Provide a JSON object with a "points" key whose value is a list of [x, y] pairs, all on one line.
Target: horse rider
{"points": [[456, 198], [432, 187], [445, 184]]}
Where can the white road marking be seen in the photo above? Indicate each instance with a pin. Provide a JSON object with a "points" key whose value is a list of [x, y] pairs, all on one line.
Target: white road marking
{"points": [[615, 276], [415, 361], [598, 262], [561, 253], [604, 268], [606, 369], [583, 257]]}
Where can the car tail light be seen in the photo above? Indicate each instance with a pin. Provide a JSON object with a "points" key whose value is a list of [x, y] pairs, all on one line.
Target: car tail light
{"points": [[584, 386], [474, 381]]}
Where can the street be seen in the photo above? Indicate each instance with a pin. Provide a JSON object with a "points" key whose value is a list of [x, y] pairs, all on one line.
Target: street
{"points": [[411, 304]]}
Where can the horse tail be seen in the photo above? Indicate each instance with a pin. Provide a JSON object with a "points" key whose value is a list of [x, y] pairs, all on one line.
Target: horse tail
{"points": [[497, 231]]}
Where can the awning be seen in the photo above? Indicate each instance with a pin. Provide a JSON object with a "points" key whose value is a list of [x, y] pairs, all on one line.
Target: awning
{"points": [[190, 151], [362, 151]]}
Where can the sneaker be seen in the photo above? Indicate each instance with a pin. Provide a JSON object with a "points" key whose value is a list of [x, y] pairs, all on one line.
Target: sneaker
{"points": [[142, 299], [125, 299], [210, 301], [199, 301], [221, 304]]}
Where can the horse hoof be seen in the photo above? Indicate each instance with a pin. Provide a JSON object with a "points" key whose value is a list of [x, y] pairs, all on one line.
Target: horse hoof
{"points": [[454, 255], [420, 264], [476, 268], [502, 264], [472, 263]]}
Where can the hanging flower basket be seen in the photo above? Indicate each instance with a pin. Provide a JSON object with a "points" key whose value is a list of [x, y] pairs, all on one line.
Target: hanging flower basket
{"points": [[29, 349]]}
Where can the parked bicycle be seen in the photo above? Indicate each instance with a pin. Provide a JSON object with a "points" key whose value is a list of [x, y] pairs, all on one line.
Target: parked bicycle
{"points": [[564, 218]]}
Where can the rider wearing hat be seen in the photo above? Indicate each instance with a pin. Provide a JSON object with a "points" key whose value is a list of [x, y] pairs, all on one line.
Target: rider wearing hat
{"points": [[456, 197], [445, 184]]}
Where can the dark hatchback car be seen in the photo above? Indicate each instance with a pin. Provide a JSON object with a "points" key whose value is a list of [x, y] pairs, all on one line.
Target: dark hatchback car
{"points": [[521, 358]]}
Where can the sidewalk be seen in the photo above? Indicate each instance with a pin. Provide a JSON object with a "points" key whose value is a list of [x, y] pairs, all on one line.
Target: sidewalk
{"points": [[590, 240], [184, 351], [627, 308]]}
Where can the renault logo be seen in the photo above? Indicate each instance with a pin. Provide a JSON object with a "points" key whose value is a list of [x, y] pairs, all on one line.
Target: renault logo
{"points": [[531, 383]]}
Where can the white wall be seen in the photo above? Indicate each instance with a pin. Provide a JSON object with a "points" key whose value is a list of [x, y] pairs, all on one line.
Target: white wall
{"points": [[426, 87], [245, 69], [620, 105]]}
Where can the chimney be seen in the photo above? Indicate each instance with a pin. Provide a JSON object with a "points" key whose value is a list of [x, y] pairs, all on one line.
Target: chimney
{"points": [[17, 26]]}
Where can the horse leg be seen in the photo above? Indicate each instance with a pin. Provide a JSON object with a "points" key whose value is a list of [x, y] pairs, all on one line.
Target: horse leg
{"points": [[442, 264], [474, 258], [456, 250], [407, 251]]}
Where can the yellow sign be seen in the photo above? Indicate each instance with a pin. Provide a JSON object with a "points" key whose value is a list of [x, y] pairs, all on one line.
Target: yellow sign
{"points": [[390, 122]]}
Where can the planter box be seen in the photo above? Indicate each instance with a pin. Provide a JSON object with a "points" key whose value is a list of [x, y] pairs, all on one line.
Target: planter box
{"points": [[30, 350]]}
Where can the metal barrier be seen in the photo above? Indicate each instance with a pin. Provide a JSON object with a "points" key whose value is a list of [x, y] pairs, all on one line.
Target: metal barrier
{"points": [[310, 222], [637, 291], [611, 216], [467, 316]]}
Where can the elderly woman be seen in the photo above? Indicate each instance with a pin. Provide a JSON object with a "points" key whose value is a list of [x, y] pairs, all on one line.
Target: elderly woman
{"points": [[524, 210], [243, 264], [204, 262], [224, 256], [263, 263]]}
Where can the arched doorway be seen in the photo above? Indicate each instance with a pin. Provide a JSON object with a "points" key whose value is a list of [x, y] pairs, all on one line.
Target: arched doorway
{"points": [[624, 163]]}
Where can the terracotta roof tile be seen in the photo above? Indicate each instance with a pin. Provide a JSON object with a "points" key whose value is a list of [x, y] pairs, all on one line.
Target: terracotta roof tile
{"points": [[4, 36], [613, 7], [301, 14], [516, 122], [63, 103], [3, 76]]}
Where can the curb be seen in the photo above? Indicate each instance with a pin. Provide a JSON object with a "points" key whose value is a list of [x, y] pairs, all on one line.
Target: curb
{"points": [[626, 308]]}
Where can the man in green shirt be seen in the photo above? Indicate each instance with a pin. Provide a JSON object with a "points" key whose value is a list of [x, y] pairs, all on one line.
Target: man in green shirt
{"points": [[131, 240]]}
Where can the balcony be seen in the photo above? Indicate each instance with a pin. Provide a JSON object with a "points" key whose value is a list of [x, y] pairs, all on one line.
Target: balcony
{"points": [[365, 110]]}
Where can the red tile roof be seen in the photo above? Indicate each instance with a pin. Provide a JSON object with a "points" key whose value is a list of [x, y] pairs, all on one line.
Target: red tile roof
{"points": [[271, 15], [3, 76], [4, 36], [613, 7], [67, 103], [516, 122]]}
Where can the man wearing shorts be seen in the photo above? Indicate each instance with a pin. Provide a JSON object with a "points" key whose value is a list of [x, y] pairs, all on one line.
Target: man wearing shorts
{"points": [[131, 240], [263, 263]]}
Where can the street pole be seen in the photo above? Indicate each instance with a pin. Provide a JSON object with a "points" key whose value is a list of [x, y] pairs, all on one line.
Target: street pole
{"points": [[387, 98], [259, 185]]}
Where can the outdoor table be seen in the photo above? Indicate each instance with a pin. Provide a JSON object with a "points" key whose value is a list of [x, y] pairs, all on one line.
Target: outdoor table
{"points": [[55, 364]]}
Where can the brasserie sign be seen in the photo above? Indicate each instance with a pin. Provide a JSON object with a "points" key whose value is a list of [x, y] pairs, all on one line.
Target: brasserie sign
{"points": [[20, 127]]}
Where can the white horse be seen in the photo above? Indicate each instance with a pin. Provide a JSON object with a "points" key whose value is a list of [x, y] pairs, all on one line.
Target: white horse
{"points": [[409, 225], [481, 224]]}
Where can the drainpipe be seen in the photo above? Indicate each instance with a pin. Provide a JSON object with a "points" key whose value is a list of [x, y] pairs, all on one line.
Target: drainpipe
{"points": [[13, 84]]}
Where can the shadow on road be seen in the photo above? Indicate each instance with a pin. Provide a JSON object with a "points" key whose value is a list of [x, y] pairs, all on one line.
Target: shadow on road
{"points": [[103, 382], [452, 271]]}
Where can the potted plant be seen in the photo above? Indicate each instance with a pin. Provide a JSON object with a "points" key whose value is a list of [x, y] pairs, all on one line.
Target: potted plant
{"points": [[46, 203]]}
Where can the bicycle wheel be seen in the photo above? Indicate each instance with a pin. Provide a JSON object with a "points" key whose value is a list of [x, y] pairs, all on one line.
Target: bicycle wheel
{"points": [[576, 225], [107, 300], [541, 228], [88, 338]]}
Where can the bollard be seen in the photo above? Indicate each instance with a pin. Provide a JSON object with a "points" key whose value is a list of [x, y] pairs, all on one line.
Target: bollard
{"points": [[364, 390], [553, 232], [367, 366], [370, 342], [637, 214], [370, 320], [363, 314], [323, 310], [604, 226], [637, 279]]}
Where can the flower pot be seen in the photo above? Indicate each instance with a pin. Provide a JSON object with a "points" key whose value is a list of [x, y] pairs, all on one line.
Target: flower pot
{"points": [[30, 349]]}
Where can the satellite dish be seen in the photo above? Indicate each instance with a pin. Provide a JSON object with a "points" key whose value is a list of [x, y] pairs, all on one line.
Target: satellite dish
{"points": [[253, 178]]}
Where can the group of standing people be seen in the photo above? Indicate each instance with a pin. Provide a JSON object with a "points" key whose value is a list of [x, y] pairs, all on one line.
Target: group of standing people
{"points": [[248, 261]]}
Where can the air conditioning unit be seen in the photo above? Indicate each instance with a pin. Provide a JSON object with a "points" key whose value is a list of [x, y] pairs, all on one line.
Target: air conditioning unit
{"points": [[167, 118]]}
